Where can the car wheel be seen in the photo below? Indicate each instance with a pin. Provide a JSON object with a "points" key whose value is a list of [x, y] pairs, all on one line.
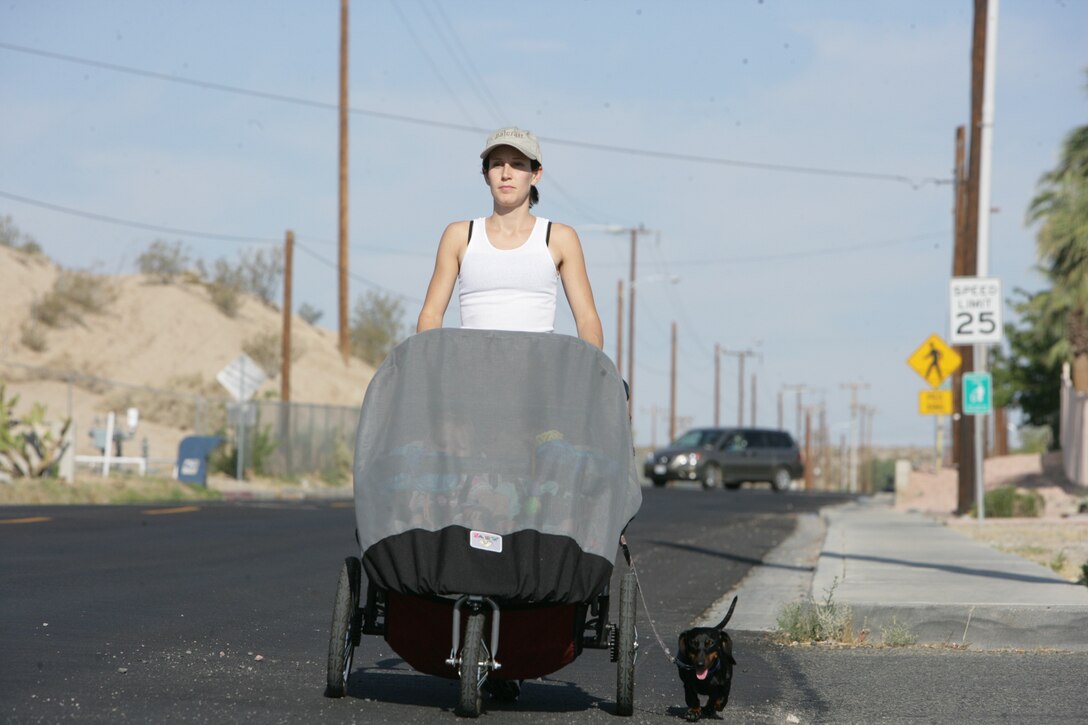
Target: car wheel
{"points": [[658, 481], [712, 476], [733, 485], [782, 480]]}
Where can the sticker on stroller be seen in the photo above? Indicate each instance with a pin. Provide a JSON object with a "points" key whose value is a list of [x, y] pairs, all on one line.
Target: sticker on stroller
{"points": [[485, 541]]}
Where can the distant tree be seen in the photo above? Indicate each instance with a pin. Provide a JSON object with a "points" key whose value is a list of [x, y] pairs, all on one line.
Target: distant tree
{"points": [[12, 236], [310, 313], [224, 286], [1061, 208], [376, 326], [261, 272], [1027, 375], [163, 261]]}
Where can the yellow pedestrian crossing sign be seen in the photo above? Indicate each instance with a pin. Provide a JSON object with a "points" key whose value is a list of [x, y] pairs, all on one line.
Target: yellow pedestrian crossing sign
{"points": [[934, 360]]}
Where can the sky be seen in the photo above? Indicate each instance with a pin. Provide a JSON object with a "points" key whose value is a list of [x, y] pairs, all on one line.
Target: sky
{"points": [[790, 161]]}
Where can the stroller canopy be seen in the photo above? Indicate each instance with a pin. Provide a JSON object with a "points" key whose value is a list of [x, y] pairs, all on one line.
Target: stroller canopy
{"points": [[494, 463]]}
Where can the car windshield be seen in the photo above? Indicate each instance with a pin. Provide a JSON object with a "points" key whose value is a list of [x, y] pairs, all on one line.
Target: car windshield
{"points": [[696, 439]]}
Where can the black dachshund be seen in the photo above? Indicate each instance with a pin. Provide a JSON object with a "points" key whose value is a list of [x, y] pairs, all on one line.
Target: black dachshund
{"points": [[705, 660]]}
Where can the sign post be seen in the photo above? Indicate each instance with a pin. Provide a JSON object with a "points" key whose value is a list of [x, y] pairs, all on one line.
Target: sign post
{"points": [[974, 312], [241, 378], [935, 361]]}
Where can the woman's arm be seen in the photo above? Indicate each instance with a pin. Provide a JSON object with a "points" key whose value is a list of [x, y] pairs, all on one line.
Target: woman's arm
{"points": [[446, 266], [572, 270]]}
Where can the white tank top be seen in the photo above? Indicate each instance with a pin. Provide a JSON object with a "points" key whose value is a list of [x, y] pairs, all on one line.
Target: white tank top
{"points": [[508, 289]]}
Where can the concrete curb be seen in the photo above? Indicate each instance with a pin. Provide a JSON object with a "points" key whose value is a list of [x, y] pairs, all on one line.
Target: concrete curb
{"points": [[900, 570], [981, 626]]}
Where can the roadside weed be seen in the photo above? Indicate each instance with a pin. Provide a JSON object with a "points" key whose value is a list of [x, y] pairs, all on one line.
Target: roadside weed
{"points": [[897, 635]]}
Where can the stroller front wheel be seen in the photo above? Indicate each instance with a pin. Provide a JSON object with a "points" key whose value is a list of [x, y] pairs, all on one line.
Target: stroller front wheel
{"points": [[343, 633], [474, 667]]}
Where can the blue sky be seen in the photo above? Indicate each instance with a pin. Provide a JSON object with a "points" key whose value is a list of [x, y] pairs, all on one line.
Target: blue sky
{"points": [[833, 278]]}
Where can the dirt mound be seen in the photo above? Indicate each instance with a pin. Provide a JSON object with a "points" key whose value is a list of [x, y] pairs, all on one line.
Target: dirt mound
{"points": [[167, 337], [935, 493]]}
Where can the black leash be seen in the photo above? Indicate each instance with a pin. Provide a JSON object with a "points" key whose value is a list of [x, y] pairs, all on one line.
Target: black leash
{"points": [[645, 608]]}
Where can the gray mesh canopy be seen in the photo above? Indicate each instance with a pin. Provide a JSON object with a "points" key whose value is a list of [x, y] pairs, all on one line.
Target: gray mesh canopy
{"points": [[496, 463]]}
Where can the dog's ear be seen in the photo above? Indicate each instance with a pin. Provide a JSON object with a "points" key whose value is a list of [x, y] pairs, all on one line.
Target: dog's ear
{"points": [[682, 643], [730, 660]]}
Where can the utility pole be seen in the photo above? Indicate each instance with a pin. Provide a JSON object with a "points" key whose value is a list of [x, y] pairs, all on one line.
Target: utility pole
{"points": [[740, 355], [672, 388], [753, 420], [285, 336], [825, 449], [808, 450], [983, 256], [959, 269], [285, 351], [853, 463], [976, 229], [779, 409], [717, 384], [800, 388], [345, 341], [619, 328], [863, 450], [654, 410], [634, 232]]}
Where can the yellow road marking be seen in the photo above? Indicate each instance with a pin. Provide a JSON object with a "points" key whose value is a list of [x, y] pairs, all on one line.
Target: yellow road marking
{"points": [[178, 510], [343, 505], [28, 520]]}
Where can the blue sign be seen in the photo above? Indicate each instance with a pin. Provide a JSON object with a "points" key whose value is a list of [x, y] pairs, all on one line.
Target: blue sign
{"points": [[978, 394]]}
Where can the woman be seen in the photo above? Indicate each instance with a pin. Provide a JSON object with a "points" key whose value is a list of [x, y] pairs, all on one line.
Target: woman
{"points": [[509, 263]]}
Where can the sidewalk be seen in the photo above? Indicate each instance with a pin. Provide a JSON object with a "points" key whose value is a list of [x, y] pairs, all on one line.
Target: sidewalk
{"points": [[907, 569]]}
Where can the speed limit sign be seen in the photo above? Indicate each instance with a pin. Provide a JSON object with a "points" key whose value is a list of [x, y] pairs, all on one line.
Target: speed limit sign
{"points": [[975, 310]]}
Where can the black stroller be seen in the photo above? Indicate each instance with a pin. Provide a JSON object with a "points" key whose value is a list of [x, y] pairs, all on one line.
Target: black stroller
{"points": [[494, 476]]}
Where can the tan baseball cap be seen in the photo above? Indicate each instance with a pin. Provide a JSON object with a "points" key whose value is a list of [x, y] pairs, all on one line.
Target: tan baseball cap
{"points": [[524, 141]]}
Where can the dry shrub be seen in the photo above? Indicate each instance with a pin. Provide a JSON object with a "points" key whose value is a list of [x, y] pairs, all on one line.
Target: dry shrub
{"points": [[32, 336], [75, 293], [266, 350], [175, 406], [163, 261]]}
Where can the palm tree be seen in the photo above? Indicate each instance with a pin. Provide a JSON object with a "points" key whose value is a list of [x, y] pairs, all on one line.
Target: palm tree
{"points": [[1061, 208]]}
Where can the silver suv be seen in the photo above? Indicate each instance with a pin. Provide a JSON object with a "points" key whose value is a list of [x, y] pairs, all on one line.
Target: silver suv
{"points": [[728, 457]]}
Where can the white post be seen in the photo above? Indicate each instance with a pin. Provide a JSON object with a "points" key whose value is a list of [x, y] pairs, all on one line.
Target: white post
{"points": [[240, 430], [983, 242], [108, 452]]}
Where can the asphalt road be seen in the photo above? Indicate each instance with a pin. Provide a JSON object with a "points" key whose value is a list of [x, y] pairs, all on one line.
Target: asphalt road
{"points": [[220, 613]]}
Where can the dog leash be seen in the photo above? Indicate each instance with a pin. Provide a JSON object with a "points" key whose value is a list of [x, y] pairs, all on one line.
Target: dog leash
{"points": [[638, 585]]}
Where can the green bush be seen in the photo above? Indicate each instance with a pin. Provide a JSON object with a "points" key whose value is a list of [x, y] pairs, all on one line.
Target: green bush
{"points": [[1011, 502]]}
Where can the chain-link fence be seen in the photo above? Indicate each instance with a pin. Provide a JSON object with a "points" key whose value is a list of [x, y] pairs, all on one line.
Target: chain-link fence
{"points": [[281, 440]]}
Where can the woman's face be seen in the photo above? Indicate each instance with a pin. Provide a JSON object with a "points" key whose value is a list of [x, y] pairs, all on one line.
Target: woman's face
{"points": [[510, 176]]}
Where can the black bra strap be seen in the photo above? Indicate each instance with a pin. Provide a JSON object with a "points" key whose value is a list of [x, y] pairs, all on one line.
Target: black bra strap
{"points": [[469, 230], [548, 235]]}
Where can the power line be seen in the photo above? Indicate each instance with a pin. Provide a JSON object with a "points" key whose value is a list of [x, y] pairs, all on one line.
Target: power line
{"points": [[430, 61], [486, 99], [138, 225], [216, 236], [357, 278], [913, 182]]}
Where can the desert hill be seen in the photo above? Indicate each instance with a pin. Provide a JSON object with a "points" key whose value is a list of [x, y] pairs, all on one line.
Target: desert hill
{"points": [[168, 337]]}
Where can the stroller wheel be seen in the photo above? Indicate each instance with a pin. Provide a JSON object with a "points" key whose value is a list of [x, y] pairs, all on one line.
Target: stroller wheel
{"points": [[474, 667], [625, 646], [343, 633]]}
